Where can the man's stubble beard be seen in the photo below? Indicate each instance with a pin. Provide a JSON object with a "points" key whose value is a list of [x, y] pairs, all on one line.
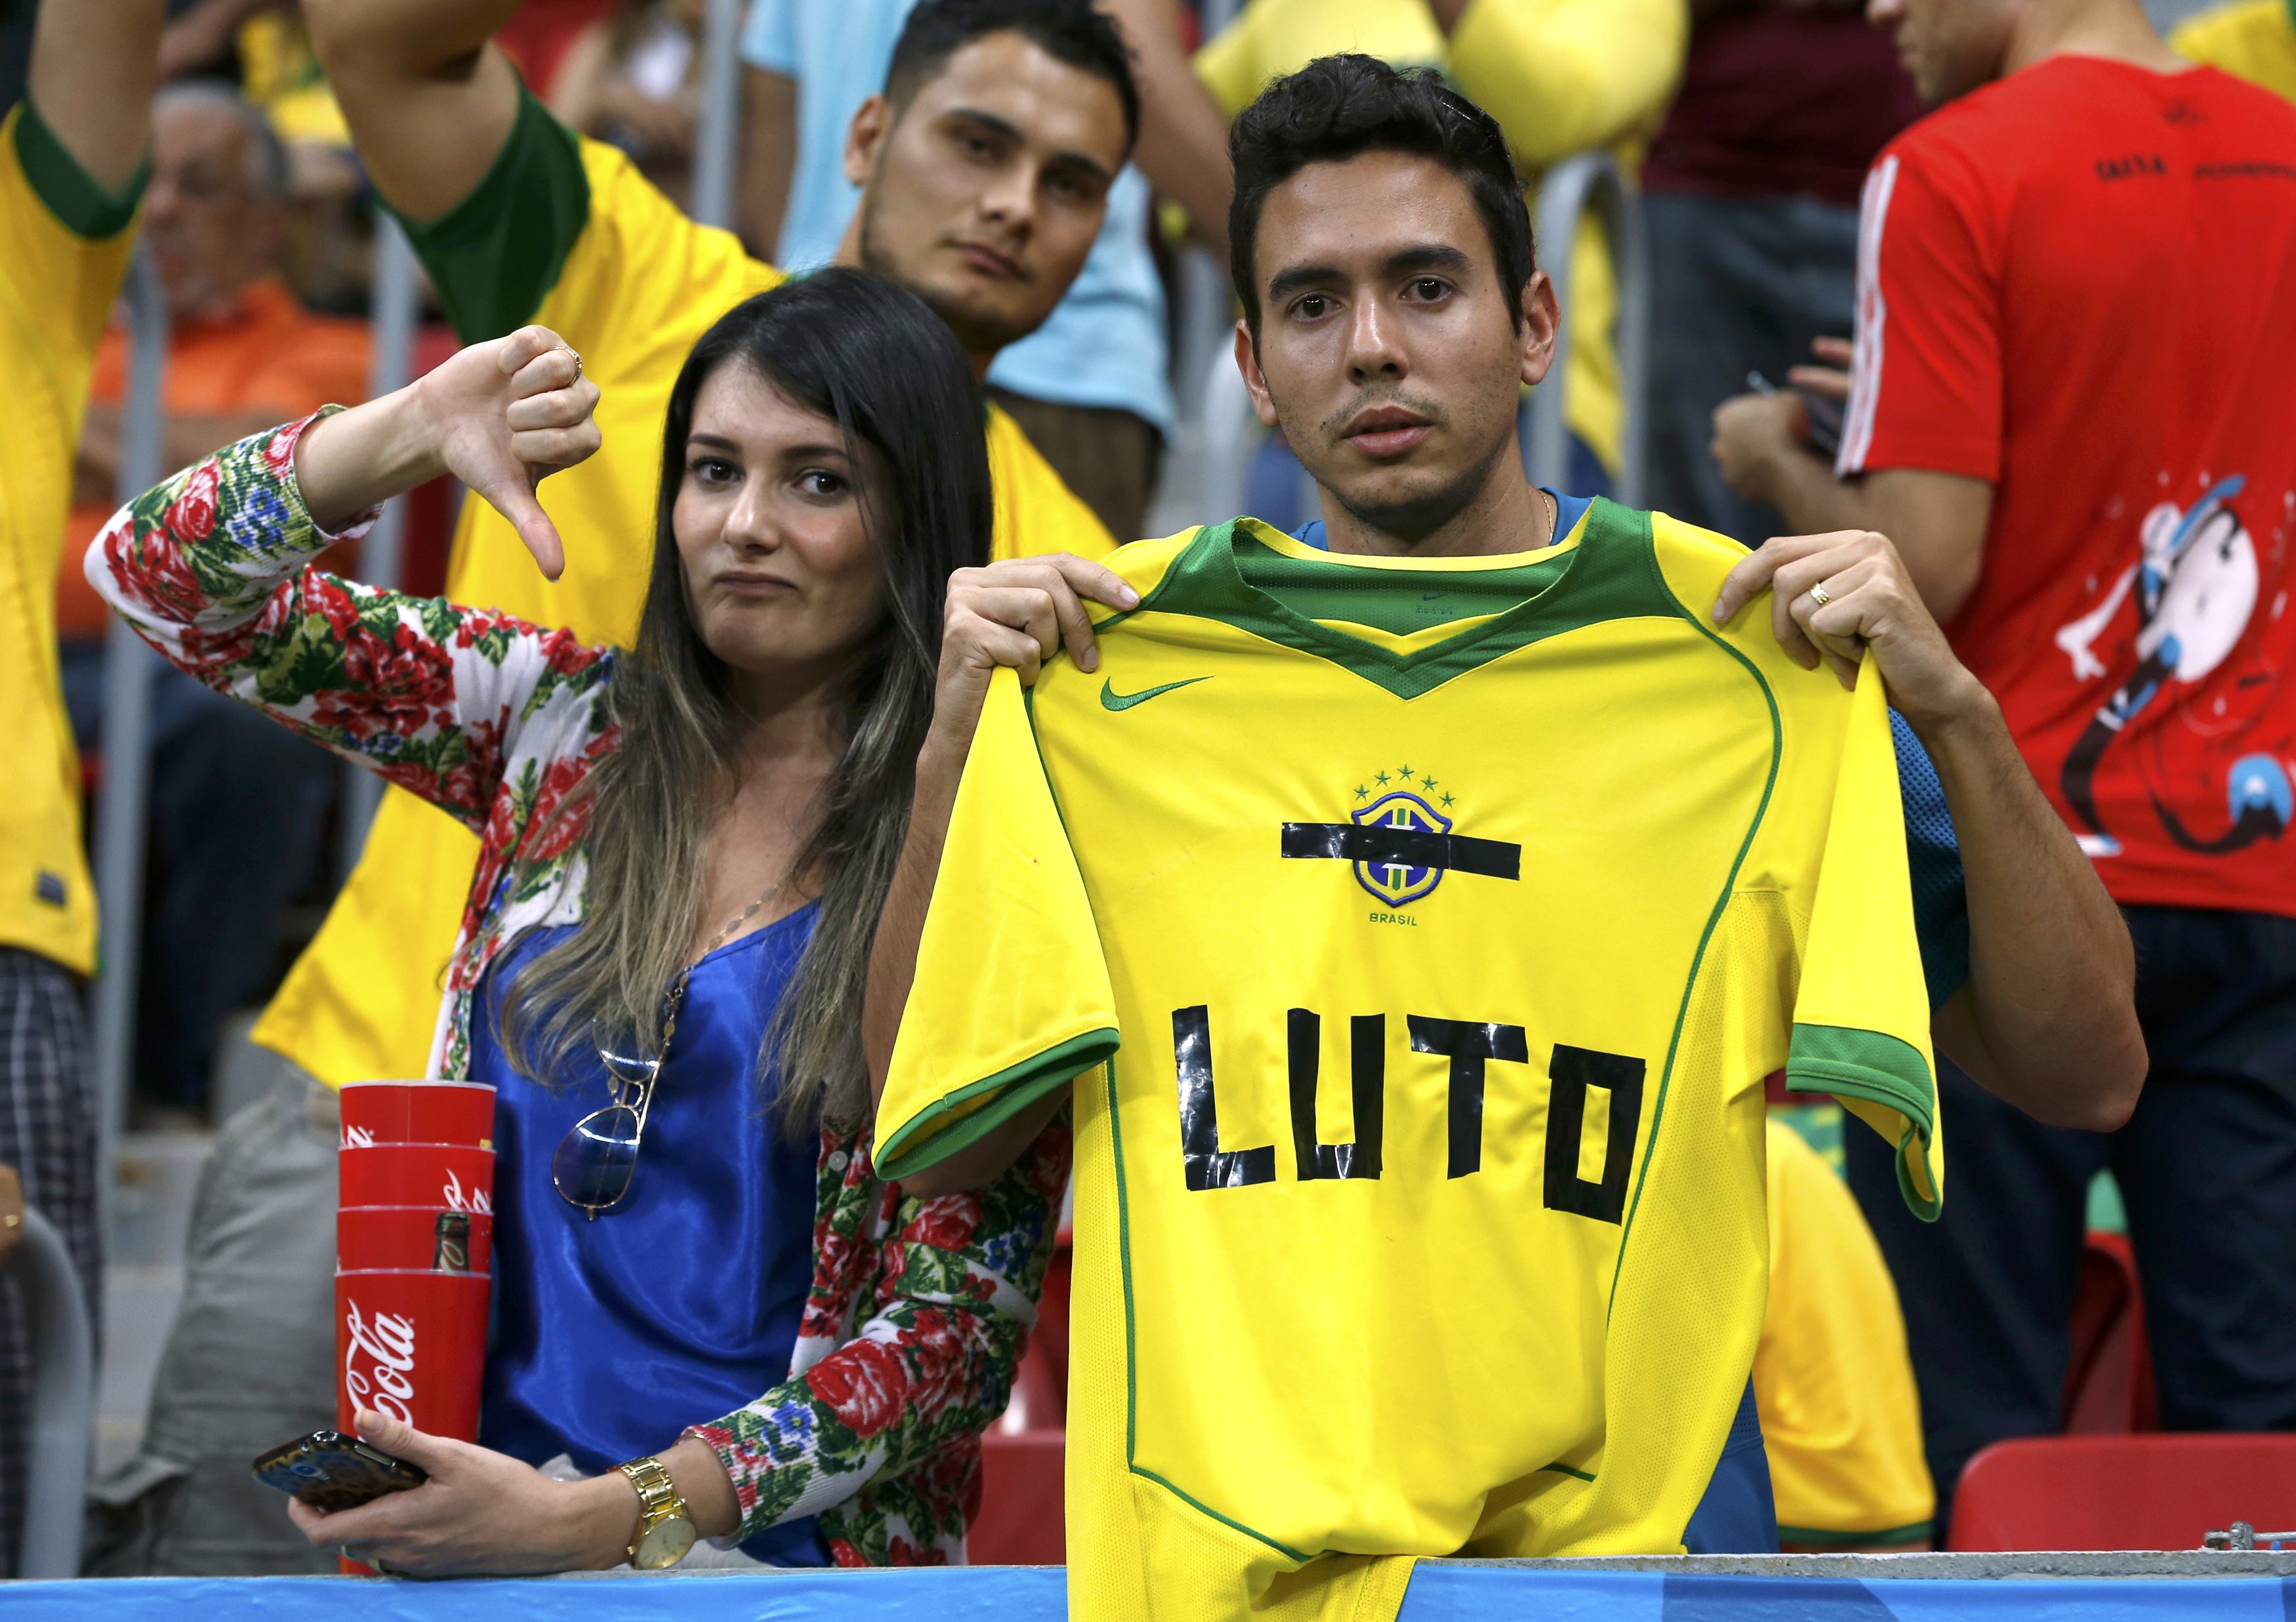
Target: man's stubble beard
{"points": [[980, 335], [1410, 521]]}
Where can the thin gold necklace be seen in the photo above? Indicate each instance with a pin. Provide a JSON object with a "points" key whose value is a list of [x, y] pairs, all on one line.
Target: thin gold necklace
{"points": [[676, 998]]}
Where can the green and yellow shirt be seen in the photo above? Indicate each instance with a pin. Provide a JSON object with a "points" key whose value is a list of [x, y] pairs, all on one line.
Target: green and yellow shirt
{"points": [[64, 243], [1418, 933]]}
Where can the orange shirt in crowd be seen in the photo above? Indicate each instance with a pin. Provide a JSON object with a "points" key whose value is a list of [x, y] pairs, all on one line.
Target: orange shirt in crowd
{"points": [[270, 353]]}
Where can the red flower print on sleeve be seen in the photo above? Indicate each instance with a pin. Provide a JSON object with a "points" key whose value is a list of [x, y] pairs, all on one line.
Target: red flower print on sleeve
{"points": [[864, 1384], [947, 1222], [191, 515]]}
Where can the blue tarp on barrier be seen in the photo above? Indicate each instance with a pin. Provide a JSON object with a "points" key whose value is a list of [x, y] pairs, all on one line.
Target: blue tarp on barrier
{"points": [[1439, 1593]]}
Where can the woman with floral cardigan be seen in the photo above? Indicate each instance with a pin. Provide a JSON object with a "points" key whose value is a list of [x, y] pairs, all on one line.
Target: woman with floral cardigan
{"points": [[685, 846]]}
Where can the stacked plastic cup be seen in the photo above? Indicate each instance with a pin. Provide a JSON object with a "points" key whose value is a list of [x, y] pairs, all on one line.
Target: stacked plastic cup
{"points": [[413, 1233]]}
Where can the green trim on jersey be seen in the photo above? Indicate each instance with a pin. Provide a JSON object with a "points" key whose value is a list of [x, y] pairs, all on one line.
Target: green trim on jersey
{"points": [[1879, 1068], [1227, 574], [496, 255], [1131, 1350], [1721, 902], [1028, 1081], [84, 206]]}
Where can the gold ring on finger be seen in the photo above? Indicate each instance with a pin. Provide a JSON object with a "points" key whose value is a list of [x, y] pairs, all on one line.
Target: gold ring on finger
{"points": [[1820, 596], [569, 349]]}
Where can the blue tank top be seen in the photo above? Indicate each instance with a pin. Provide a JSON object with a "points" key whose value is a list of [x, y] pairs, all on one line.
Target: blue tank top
{"points": [[682, 1304]]}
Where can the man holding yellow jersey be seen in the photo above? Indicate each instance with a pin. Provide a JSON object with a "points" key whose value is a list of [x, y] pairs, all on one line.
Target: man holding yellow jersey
{"points": [[985, 167], [1384, 259]]}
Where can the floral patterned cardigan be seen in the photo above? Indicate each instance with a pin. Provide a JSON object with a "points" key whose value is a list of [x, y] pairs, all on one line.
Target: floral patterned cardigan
{"points": [[918, 1309]]}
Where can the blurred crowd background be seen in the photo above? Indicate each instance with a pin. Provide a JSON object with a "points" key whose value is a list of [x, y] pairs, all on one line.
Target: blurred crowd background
{"points": [[1744, 129]]}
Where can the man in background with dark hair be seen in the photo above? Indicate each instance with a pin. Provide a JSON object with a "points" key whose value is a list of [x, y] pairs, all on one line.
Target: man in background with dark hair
{"points": [[988, 166], [1089, 385], [1393, 309]]}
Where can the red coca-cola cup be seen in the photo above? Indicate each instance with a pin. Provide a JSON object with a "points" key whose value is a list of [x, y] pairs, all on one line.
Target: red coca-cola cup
{"points": [[460, 1112], [390, 1237], [411, 1344], [448, 1176]]}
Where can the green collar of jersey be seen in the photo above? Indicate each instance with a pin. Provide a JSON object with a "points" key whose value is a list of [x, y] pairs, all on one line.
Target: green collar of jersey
{"points": [[1246, 575]]}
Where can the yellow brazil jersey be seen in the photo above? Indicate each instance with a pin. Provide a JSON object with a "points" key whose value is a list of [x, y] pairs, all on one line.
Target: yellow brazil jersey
{"points": [[1418, 934], [1833, 1381], [64, 243], [566, 232], [1560, 76], [2251, 39]]}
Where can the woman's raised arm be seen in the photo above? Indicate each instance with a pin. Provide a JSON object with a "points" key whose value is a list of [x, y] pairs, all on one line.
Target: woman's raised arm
{"points": [[212, 568]]}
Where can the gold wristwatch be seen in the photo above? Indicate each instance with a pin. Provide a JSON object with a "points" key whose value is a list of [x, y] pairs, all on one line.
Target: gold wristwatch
{"points": [[665, 1525]]}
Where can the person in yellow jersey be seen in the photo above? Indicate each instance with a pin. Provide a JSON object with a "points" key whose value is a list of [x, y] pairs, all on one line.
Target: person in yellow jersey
{"points": [[1840, 1418], [2249, 39], [1417, 997], [1562, 76], [985, 166], [73, 160]]}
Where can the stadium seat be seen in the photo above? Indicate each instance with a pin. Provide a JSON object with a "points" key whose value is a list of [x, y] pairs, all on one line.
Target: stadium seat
{"points": [[2109, 1387], [1021, 1521], [2160, 1491]]}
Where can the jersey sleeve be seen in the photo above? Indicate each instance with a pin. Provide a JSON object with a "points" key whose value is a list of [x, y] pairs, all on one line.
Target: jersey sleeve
{"points": [[769, 36], [1011, 998], [1564, 76], [495, 255], [1229, 63], [1861, 1015], [1926, 380], [64, 239]]}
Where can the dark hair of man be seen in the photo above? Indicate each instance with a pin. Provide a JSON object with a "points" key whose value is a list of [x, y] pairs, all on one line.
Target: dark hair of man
{"points": [[869, 355], [1071, 31], [1340, 107]]}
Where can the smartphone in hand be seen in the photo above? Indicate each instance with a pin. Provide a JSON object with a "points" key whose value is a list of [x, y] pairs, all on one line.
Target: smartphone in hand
{"points": [[332, 1471]]}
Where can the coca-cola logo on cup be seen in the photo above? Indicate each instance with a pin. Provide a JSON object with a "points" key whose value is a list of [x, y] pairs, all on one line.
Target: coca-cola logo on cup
{"points": [[377, 1369], [459, 1199], [357, 1137]]}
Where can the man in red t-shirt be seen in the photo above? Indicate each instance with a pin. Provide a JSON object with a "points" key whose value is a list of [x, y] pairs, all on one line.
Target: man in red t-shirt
{"points": [[2071, 410]]}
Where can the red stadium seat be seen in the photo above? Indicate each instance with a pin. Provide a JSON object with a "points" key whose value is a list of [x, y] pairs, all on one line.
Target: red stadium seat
{"points": [[1021, 1522], [2160, 1491], [2109, 1387]]}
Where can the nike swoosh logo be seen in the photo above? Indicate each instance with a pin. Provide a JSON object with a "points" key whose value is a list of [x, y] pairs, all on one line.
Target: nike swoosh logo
{"points": [[1110, 699]]}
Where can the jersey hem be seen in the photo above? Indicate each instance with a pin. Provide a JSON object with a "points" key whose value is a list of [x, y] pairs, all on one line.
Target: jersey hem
{"points": [[81, 203], [1228, 1521], [1016, 1087]]}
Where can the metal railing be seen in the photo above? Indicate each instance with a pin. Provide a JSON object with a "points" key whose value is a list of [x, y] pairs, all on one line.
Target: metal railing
{"points": [[64, 1400], [397, 306], [1570, 188], [124, 796], [718, 139]]}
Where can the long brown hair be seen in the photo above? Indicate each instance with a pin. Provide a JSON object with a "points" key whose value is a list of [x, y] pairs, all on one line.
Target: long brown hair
{"points": [[871, 356]]}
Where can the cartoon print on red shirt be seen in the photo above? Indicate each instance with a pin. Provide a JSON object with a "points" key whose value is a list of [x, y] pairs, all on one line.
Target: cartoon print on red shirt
{"points": [[2195, 591]]}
